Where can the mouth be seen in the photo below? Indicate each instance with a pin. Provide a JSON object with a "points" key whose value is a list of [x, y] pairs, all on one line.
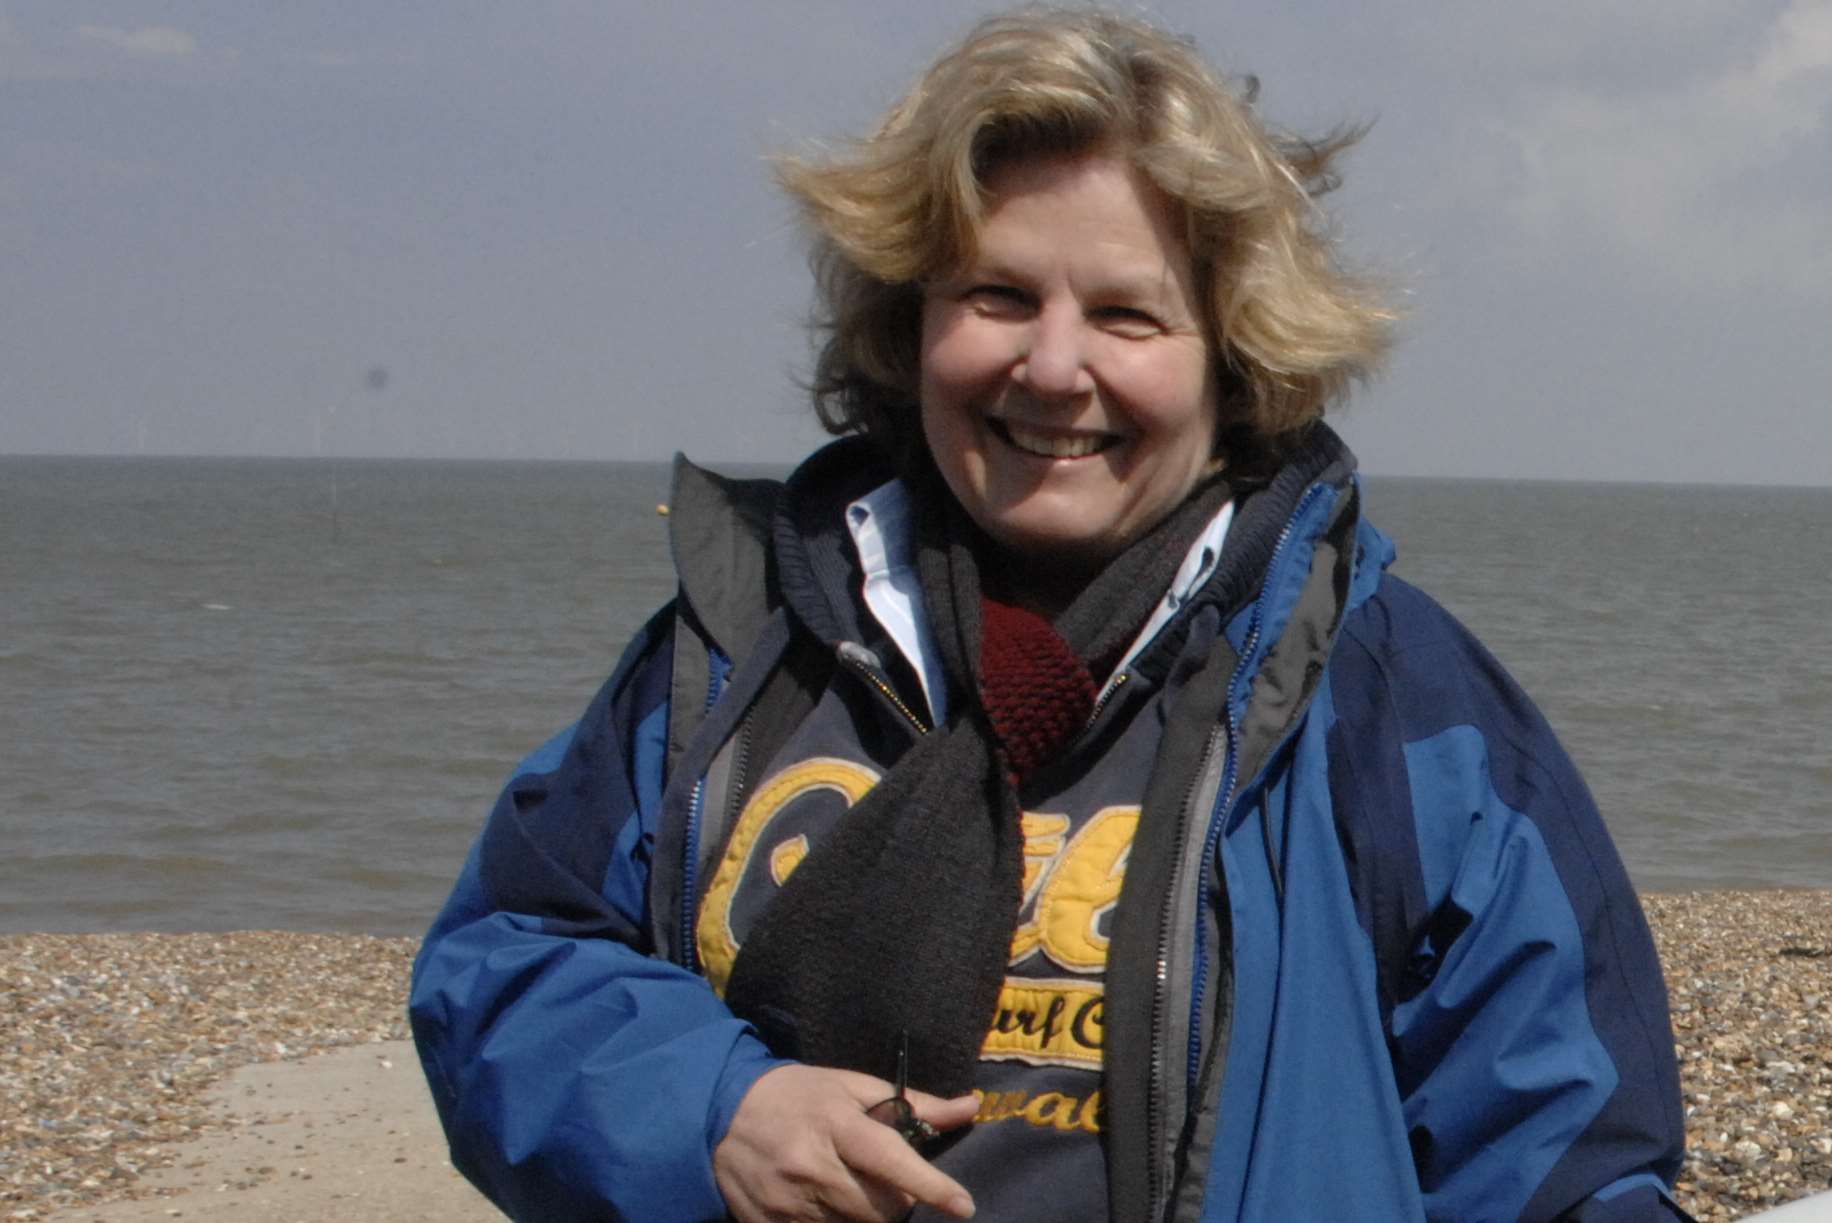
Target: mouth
{"points": [[1050, 444]]}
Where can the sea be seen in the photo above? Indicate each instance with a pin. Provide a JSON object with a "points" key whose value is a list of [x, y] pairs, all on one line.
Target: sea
{"points": [[281, 694]]}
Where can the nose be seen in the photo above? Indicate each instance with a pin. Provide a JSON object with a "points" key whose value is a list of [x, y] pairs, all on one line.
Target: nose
{"points": [[1054, 364]]}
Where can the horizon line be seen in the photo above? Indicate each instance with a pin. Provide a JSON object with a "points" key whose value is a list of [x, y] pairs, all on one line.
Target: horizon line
{"points": [[791, 463]]}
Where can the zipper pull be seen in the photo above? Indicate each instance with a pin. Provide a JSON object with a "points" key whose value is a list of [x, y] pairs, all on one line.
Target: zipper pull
{"points": [[858, 655], [870, 667]]}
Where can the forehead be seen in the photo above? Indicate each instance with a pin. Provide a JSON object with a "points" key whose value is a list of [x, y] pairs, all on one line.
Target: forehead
{"points": [[1081, 205]]}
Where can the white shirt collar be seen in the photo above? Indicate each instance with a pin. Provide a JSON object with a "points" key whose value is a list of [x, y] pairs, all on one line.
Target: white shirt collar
{"points": [[885, 540]]}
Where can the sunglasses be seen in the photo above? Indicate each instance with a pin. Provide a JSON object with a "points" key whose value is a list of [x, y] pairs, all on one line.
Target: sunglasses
{"points": [[896, 1112]]}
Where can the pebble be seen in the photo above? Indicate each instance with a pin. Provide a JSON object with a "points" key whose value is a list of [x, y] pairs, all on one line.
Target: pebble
{"points": [[108, 1042], [1747, 973]]}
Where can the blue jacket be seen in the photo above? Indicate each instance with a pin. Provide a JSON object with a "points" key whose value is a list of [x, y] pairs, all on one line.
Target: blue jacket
{"points": [[1399, 970]]}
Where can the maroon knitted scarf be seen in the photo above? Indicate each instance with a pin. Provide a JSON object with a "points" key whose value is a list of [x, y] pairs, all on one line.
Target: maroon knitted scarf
{"points": [[901, 919]]}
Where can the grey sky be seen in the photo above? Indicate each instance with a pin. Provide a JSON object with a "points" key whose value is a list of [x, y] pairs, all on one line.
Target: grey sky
{"points": [[552, 223]]}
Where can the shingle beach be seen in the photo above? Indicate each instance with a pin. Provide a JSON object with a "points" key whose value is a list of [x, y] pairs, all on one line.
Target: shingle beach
{"points": [[109, 1044]]}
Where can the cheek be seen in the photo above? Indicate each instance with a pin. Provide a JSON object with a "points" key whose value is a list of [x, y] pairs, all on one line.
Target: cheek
{"points": [[938, 344], [961, 354], [947, 431], [1177, 400]]}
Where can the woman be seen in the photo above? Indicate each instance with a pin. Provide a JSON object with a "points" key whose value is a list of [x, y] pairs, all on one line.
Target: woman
{"points": [[1058, 739]]}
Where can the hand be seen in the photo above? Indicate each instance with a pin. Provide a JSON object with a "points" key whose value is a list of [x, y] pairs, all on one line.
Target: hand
{"points": [[802, 1150]]}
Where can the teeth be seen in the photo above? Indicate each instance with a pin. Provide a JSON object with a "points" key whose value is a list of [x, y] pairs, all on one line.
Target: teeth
{"points": [[1053, 445]]}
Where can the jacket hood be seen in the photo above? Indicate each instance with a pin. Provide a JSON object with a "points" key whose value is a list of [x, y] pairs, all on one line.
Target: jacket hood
{"points": [[1262, 515], [815, 560]]}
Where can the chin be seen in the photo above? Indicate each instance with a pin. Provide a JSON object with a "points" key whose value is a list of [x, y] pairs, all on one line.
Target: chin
{"points": [[1075, 549]]}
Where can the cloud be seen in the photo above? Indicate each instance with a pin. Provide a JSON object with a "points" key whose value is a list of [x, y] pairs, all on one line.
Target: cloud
{"points": [[1719, 175], [1804, 41], [153, 41], [43, 54]]}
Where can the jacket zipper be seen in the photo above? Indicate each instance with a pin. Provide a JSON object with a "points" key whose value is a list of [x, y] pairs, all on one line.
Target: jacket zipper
{"points": [[849, 654], [1231, 782], [689, 954], [1155, 1121], [1107, 694], [1210, 845]]}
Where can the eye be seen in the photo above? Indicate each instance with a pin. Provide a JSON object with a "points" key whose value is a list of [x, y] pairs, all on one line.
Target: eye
{"points": [[998, 300], [1128, 320]]}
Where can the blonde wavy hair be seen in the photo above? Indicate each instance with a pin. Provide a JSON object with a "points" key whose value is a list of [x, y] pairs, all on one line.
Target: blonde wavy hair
{"points": [[903, 205]]}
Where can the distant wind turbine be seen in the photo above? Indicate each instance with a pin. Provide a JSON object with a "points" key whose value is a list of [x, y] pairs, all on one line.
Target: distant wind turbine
{"points": [[375, 379]]}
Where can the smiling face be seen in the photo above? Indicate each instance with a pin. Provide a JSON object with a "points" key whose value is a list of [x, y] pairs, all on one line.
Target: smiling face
{"points": [[1067, 387]]}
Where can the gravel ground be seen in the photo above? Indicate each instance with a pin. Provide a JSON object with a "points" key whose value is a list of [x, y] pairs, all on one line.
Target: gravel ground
{"points": [[107, 1042], [1750, 976]]}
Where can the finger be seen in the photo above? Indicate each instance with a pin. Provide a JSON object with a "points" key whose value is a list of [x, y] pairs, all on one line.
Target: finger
{"points": [[864, 1088], [880, 1201], [878, 1153], [945, 1114]]}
